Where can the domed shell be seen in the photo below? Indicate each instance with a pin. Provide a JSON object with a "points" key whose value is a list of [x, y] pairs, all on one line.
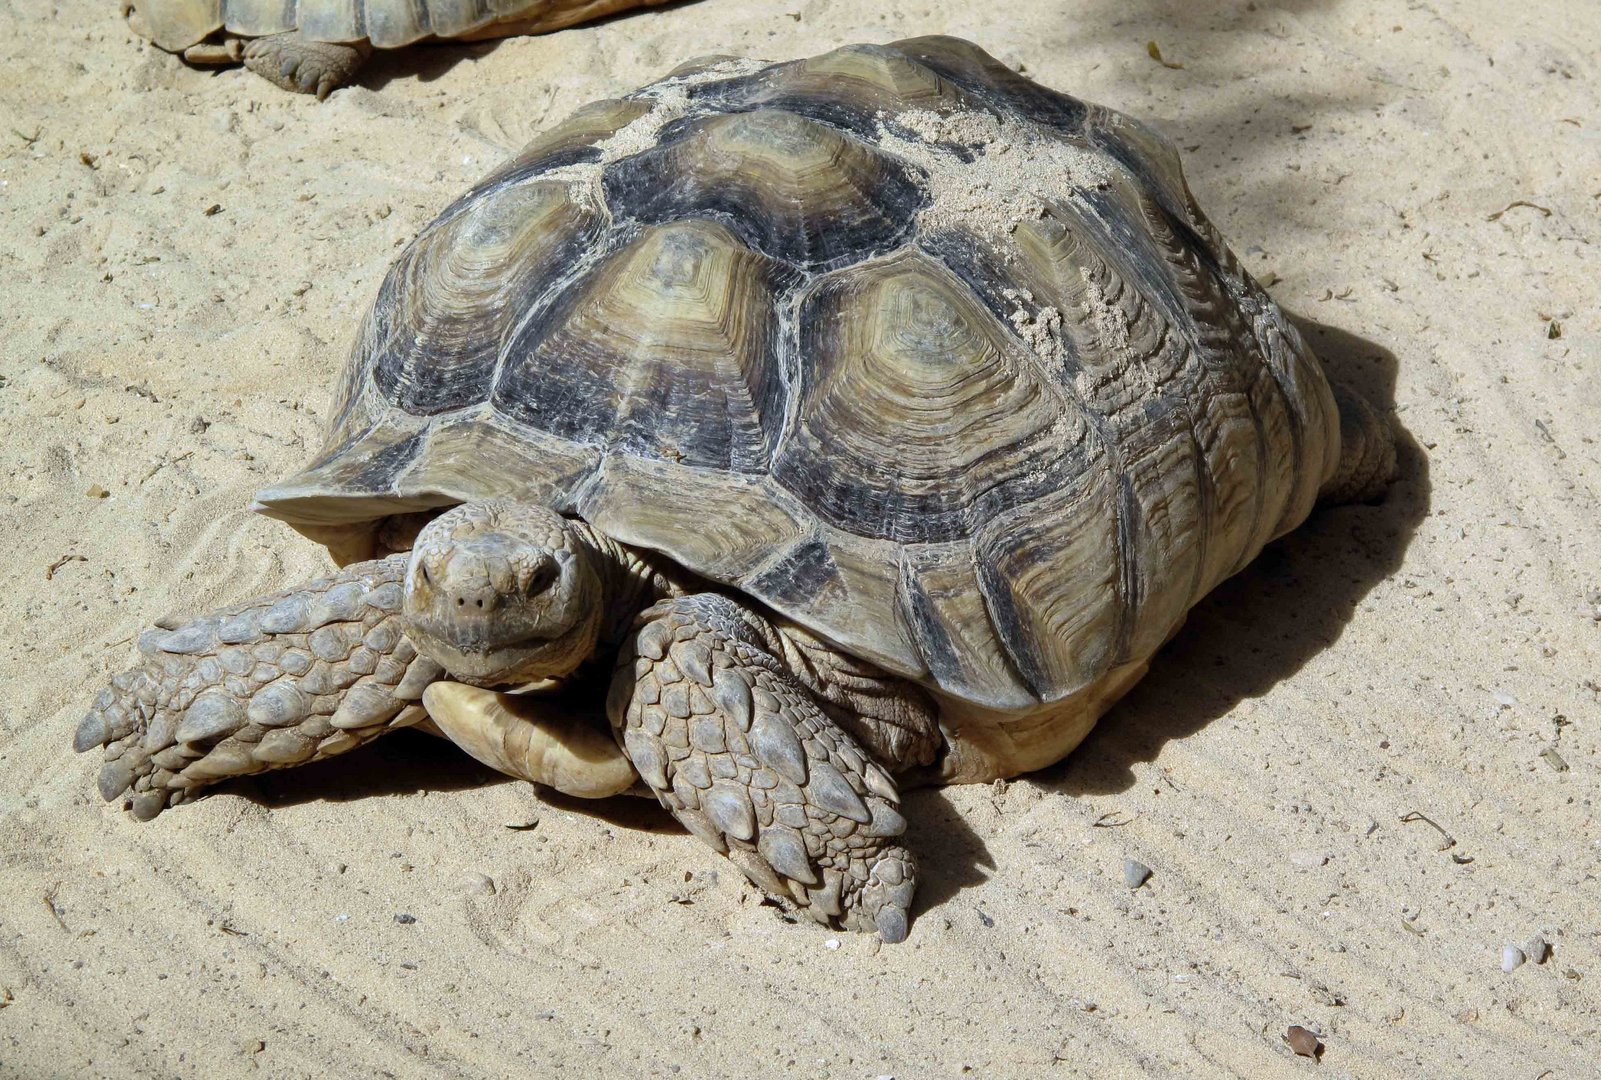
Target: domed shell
{"points": [[944, 365]]}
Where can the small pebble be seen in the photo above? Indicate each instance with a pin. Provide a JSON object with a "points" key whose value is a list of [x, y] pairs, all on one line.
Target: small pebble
{"points": [[1512, 958], [405, 918], [479, 884], [1135, 873], [1308, 858], [1536, 949], [1304, 1042], [831, 943]]}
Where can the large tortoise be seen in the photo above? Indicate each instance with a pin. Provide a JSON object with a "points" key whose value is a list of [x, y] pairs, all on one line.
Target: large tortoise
{"points": [[866, 420], [316, 46]]}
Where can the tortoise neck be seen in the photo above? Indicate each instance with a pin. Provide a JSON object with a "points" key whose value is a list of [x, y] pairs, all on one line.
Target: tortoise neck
{"points": [[630, 580]]}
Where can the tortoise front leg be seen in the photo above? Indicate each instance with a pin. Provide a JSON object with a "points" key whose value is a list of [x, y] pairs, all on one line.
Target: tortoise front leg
{"points": [[277, 681], [739, 751]]}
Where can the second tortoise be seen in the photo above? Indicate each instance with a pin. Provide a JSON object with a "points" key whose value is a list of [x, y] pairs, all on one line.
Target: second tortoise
{"points": [[316, 46], [779, 436]]}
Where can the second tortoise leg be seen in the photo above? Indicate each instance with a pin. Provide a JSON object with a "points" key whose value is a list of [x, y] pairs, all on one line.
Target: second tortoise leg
{"points": [[1367, 451], [741, 753], [303, 66]]}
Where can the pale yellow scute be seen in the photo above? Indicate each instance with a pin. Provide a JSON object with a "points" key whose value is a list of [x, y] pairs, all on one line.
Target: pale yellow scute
{"points": [[721, 525], [330, 20], [915, 404], [1138, 376], [872, 78], [1054, 582], [452, 18], [942, 602], [846, 587], [479, 455], [258, 18], [666, 350], [175, 25], [463, 285]]}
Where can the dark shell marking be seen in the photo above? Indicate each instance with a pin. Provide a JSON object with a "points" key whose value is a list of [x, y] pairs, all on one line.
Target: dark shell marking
{"points": [[943, 364]]}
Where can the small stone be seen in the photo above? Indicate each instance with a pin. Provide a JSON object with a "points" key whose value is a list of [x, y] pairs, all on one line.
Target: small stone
{"points": [[97, 492], [1512, 958], [831, 943], [1536, 949], [1304, 1042], [1135, 873], [477, 884], [1308, 858], [405, 918]]}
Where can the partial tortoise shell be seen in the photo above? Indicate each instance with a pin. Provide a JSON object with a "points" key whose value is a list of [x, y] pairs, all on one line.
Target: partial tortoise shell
{"points": [[944, 365], [175, 25]]}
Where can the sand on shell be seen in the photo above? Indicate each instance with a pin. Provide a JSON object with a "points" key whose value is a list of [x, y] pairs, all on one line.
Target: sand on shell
{"points": [[186, 254]]}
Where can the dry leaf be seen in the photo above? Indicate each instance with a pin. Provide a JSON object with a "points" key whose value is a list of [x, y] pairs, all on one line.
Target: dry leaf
{"points": [[1155, 53]]}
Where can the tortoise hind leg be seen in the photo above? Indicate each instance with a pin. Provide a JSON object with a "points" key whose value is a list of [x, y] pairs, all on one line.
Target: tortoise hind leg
{"points": [[303, 66], [277, 681], [1367, 451], [746, 759]]}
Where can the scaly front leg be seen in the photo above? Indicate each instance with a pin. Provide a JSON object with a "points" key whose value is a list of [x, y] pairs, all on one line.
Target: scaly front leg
{"points": [[739, 751], [277, 681]]}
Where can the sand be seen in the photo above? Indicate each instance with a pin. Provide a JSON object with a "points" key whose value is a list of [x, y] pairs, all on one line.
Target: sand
{"points": [[185, 257]]}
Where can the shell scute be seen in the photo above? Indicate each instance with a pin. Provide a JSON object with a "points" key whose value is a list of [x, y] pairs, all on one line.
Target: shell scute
{"points": [[666, 350], [793, 188]]}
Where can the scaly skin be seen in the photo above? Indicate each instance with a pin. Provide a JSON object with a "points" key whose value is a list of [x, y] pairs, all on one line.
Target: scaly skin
{"points": [[303, 66], [739, 751], [276, 681]]}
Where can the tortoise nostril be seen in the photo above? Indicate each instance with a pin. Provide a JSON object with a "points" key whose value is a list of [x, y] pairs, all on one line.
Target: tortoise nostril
{"points": [[479, 602], [461, 601]]}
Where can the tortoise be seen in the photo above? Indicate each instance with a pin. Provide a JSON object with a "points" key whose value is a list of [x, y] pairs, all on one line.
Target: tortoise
{"points": [[842, 425], [316, 46]]}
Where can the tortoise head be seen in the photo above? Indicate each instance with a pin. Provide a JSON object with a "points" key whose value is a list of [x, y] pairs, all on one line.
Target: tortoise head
{"points": [[502, 593]]}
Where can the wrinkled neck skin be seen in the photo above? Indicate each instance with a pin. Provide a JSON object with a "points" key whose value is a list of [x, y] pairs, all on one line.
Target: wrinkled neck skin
{"points": [[630, 582]]}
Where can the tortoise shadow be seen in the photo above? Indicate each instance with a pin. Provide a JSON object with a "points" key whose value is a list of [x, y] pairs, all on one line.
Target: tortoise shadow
{"points": [[1264, 624], [402, 763], [413, 762], [431, 60], [950, 855]]}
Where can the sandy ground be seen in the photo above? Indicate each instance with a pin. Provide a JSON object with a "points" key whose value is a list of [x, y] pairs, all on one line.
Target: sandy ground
{"points": [[185, 255]]}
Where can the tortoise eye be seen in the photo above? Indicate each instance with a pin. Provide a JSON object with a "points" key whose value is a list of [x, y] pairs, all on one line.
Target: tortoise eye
{"points": [[541, 579]]}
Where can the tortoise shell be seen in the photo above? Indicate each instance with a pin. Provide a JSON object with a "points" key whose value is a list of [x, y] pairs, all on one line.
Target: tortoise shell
{"points": [[175, 25], [941, 364]]}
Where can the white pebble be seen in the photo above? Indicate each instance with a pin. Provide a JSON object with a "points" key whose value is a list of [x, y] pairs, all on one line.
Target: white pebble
{"points": [[1511, 959], [474, 883], [831, 943], [1308, 858]]}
